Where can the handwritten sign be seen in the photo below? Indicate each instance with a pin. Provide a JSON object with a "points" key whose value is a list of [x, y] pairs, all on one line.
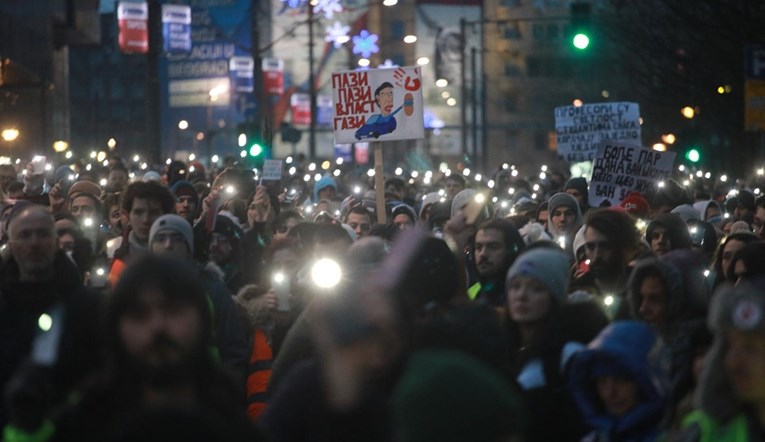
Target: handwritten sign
{"points": [[580, 129], [272, 170], [619, 169], [377, 105]]}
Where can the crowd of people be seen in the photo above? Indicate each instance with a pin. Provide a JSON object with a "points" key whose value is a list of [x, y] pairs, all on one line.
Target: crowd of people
{"points": [[213, 305]]}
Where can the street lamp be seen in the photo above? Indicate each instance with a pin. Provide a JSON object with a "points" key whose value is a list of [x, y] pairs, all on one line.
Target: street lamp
{"points": [[688, 112], [10, 134]]}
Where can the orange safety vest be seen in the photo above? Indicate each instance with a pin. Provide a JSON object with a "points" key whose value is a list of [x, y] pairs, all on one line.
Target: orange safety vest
{"points": [[118, 266], [258, 375]]}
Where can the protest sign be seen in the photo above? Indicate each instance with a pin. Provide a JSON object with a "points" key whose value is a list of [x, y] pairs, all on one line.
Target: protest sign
{"points": [[619, 169], [272, 170], [377, 105], [580, 129]]}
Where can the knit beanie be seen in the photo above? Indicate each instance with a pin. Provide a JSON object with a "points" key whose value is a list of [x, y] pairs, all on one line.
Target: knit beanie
{"points": [[324, 182], [549, 266], [447, 395], [636, 205], [403, 209], [85, 188], [176, 224], [578, 183], [185, 188], [461, 199], [559, 200], [427, 200]]}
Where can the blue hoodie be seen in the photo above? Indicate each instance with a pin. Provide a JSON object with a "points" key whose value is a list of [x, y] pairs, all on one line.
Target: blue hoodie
{"points": [[631, 349]]}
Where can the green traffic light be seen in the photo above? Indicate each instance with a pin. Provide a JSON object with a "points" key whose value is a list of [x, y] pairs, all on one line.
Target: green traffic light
{"points": [[581, 41], [256, 150], [693, 155]]}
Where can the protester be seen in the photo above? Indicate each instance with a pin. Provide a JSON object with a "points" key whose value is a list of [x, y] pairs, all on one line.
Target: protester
{"points": [[495, 246], [666, 233], [621, 383]]}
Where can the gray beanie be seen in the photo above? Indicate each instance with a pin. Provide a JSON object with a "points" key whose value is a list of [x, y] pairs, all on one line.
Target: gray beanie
{"points": [[461, 199], [176, 224], [550, 266], [563, 199]]}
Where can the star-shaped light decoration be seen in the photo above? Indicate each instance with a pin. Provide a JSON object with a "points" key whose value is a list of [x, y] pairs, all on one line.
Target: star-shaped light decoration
{"points": [[327, 7], [388, 64], [337, 34], [365, 44]]}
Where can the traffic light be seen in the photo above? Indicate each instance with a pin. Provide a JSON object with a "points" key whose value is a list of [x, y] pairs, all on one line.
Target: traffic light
{"points": [[693, 155], [580, 25], [253, 145]]}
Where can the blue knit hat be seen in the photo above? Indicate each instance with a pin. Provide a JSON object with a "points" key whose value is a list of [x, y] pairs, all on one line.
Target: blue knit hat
{"points": [[549, 266], [325, 181]]}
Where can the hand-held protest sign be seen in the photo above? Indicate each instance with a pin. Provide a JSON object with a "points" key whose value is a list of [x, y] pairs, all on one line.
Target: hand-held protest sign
{"points": [[378, 105], [619, 169], [580, 129]]}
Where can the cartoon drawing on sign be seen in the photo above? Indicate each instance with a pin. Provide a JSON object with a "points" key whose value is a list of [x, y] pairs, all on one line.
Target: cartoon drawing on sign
{"points": [[384, 122]]}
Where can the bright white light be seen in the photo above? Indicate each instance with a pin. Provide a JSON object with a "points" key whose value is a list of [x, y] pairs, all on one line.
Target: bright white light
{"points": [[699, 173], [479, 198], [389, 2], [706, 273], [312, 167], [535, 187], [370, 172], [442, 82], [422, 61], [339, 161], [100, 271], [428, 174], [608, 300], [364, 62], [415, 174], [192, 157], [708, 175], [357, 190], [466, 172], [661, 183], [441, 192], [88, 222], [307, 178], [514, 173], [144, 166], [511, 190], [478, 177], [287, 160], [317, 177], [336, 172], [757, 191], [292, 171], [88, 167], [68, 154], [48, 167], [686, 183], [542, 175], [760, 171], [490, 184], [93, 154], [103, 182], [503, 204], [681, 168], [409, 39], [724, 178], [279, 277], [451, 101], [45, 322], [309, 209], [326, 273], [562, 242], [168, 161], [230, 189], [398, 171], [533, 196], [544, 168]]}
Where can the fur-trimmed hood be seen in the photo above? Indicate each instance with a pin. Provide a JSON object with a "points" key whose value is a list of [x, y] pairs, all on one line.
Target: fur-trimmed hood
{"points": [[743, 308]]}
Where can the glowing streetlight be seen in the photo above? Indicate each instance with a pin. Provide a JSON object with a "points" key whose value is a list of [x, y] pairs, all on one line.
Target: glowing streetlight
{"points": [[183, 125], [688, 112], [112, 143], [10, 134]]}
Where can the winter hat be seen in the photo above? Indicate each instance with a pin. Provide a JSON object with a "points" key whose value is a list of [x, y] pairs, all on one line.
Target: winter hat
{"points": [[185, 188], [324, 182], [85, 188], [579, 238], [403, 209], [578, 183], [448, 395], [562, 199], [687, 212], [151, 176], [740, 307], [740, 226], [549, 266], [677, 230], [226, 226], [175, 224], [636, 205]]}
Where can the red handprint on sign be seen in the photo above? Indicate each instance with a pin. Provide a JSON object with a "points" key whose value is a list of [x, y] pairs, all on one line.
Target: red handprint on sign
{"points": [[398, 76]]}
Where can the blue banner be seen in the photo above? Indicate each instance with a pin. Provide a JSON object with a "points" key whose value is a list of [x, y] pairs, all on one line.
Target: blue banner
{"points": [[176, 28]]}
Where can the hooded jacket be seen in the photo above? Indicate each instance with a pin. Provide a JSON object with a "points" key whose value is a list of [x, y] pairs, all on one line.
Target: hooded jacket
{"points": [[677, 230], [681, 274], [633, 350], [563, 199]]}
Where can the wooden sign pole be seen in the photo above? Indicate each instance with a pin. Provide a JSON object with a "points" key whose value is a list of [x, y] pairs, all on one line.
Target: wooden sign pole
{"points": [[379, 183]]}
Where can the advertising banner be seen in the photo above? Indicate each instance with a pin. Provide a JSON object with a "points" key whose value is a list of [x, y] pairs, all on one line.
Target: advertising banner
{"points": [[132, 21]]}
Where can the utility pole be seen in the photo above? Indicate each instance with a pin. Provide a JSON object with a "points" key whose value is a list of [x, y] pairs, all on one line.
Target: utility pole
{"points": [[152, 80], [311, 86]]}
